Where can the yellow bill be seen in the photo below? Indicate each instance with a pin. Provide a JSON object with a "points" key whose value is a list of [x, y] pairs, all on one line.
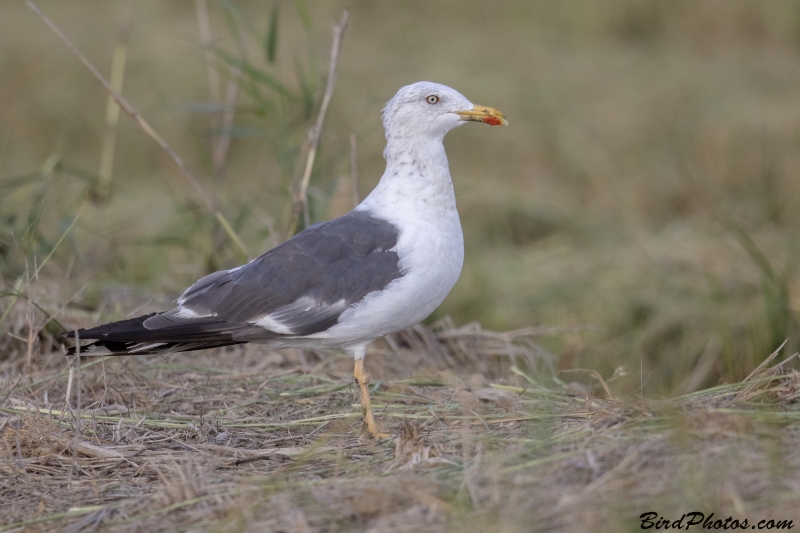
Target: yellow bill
{"points": [[487, 115]]}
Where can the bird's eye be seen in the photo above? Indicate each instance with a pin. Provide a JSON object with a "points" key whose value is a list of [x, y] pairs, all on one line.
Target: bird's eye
{"points": [[432, 99]]}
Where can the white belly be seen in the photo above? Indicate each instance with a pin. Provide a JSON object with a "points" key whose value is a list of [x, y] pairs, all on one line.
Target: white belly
{"points": [[431, 256]]}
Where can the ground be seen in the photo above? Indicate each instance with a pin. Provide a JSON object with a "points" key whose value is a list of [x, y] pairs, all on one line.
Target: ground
{"points": [[638, 218], [244, 439]]}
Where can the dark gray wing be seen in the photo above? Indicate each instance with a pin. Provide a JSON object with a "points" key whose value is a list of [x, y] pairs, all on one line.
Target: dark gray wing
{"points": [[302, 286], [298, 288]]}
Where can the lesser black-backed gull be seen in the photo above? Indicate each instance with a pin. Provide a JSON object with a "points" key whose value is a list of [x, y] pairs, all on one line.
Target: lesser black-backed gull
{"points": [[341, 284]]}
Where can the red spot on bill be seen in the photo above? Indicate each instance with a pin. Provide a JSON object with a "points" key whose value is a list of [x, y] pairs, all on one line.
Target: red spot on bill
{"points": [[492, 121]]}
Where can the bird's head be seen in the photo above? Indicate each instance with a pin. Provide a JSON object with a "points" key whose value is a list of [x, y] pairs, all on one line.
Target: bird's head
{"points": [[431, 109]]}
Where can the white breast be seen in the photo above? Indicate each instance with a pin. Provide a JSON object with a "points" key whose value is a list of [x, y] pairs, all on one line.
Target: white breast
{"points": [[430, 248], [432, 260]]}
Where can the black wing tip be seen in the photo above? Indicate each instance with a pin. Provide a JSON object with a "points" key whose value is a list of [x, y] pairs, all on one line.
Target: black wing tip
{"points": [[85, 350], [130, 325], [129, 348]]}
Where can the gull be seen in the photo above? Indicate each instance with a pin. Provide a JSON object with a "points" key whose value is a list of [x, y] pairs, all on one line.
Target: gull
{"points": [[340, 284]]}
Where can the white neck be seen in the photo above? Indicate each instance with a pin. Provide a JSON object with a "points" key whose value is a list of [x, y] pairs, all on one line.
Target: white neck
{"points": [[416, 182]]}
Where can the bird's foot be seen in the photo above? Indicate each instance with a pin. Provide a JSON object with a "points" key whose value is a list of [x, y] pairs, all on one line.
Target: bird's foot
{"points": [[378, 435], [362, 381], [371, 428]]}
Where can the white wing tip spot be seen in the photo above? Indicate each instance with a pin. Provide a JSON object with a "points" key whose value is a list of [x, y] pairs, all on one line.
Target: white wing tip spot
{"points": [[273, 325], [185, 312], [143, 347]]}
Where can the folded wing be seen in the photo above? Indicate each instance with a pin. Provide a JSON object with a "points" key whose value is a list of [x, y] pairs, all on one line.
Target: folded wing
{"points": [[296, 289]]}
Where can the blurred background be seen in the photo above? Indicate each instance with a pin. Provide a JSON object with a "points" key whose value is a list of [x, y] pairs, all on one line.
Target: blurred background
{"points": [[642, 205]]}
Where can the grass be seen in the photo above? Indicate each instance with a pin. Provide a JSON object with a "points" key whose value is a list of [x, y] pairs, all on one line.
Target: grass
{"points": [[631, 244], [251, 441], [641, 198]]}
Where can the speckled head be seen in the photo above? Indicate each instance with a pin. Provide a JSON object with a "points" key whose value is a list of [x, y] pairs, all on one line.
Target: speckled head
{"points": [[427, 109]]}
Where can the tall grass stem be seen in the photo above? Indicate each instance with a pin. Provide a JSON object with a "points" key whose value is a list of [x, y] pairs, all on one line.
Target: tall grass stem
{"points": [[301, 199], [112, 108], [354, 170], [145, 126]]}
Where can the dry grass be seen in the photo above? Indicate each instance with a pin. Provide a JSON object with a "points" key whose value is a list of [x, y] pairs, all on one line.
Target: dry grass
{"points": [[647, 143], [250, 440], [640, 210]]}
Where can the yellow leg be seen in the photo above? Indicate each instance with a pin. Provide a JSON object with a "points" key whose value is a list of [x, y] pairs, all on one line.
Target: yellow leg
{"points": [[362, 380]]}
